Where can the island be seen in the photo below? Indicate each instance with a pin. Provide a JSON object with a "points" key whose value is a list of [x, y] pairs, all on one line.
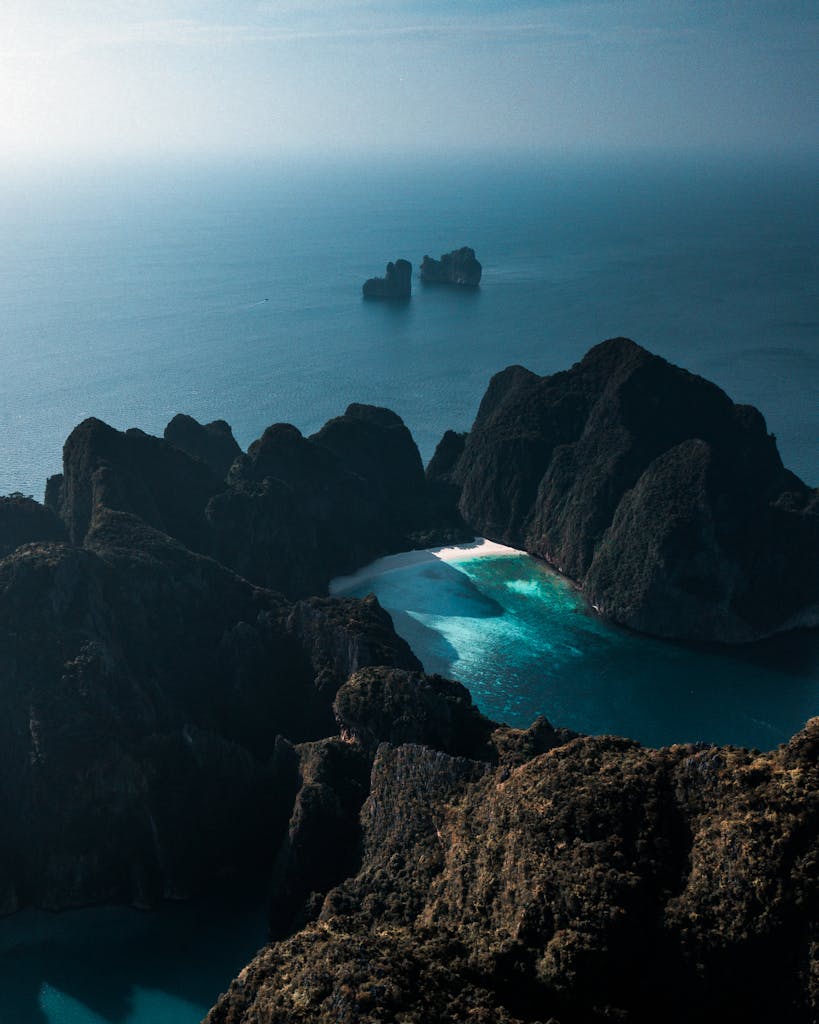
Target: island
{"points": [[396, 283], [459, 268]]}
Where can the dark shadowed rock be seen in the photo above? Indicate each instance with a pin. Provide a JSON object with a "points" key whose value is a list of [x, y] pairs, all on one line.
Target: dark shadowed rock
{"points": [[23, 520], [652, 488], [458, 267], [213, 443], [396, 706], [588, 883], [134, 472], [321, 846], [396, 284], [443, 490], [300, 510], [143, 687]]}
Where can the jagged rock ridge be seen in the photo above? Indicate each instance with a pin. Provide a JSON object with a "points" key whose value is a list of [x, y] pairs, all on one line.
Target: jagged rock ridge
{"points": [[145, 683], [594, 881]]}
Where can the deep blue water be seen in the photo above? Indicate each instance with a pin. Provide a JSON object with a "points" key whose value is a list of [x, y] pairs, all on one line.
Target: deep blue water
{"points": [[135, 293], [521, 638], [236, 292]]}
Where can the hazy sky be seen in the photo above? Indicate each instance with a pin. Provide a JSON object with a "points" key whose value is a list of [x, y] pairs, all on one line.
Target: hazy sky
{"points": [[216, 76]]}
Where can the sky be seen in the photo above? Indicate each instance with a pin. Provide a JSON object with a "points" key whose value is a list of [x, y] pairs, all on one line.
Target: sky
{"points": [[92, 78]]}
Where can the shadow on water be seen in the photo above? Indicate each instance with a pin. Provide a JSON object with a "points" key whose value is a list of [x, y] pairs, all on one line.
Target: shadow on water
{"points": [[117, 965], [524, 643]]}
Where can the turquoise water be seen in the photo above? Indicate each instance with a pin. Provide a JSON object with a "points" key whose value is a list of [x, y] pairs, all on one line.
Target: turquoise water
{"points": [[520, 637], [117, 966]]}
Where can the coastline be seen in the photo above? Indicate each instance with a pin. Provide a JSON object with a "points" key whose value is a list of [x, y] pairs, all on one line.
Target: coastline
{"points": [[480, 547]]}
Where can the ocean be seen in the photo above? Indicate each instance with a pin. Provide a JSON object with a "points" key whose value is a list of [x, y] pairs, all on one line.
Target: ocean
{"points": [[132, 293]]}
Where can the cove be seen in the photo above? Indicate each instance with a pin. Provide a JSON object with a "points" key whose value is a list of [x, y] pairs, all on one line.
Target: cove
{"points": [[521, 638]]}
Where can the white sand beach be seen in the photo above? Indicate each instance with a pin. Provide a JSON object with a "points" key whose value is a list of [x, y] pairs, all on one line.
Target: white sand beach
{"points": [[480, 547]]}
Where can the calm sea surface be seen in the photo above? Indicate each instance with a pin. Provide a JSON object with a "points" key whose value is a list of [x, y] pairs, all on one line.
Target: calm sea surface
{"points": [[235, 292]]}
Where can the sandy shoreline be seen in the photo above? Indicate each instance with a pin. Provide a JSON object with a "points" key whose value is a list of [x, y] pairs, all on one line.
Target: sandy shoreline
{"points": [[478, 548]]}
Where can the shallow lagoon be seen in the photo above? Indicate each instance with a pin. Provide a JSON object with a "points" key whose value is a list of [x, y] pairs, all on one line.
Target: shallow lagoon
{"points": [[521, 638]]}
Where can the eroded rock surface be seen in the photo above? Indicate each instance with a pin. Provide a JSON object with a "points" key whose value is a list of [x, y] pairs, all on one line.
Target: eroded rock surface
{"points": [[649, 486], [597, 881]]}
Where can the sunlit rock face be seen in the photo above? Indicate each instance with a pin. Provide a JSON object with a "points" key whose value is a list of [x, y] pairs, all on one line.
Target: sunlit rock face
{"points": [[652, 488], [588, 879]]}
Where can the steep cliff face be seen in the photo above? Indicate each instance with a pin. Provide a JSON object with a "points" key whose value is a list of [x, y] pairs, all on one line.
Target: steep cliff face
{"points": [[133, 472], [213, 443], [597, 881], [300, 510], [290, 514], [649, 486], [143, 688]]}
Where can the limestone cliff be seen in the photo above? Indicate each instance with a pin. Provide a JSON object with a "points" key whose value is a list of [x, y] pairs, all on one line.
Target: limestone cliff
{"points": [[650, 487]]}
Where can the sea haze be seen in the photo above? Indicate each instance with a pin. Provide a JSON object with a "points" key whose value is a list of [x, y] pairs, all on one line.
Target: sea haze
{"points": [[235, 292]]}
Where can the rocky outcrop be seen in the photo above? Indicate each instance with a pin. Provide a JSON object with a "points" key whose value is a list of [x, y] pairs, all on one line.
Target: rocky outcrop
{"points": [[459, 267], [597, 881], [649, 486], [300, 510], [292, 513], [213, 443], [23, 520], [397, 706], [396, 284], [136, 473], [143, 688]]}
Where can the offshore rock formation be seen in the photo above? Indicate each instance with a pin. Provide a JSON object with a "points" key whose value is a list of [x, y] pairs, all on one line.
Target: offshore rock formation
{"points": [[459, 267], [651, 488], [396, 284], [595, 881]]}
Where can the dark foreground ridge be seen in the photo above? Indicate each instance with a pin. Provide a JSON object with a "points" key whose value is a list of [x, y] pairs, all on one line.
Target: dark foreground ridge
{"points": [[177, 706], [595, 881]]}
